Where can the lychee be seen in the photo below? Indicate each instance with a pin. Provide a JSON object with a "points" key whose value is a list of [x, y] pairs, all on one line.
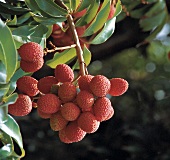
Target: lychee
{"points": [[49, 103], [67, 92], [70, 111], [85, 100], [73, 132], [21, 107], [62, 136], [31, 66], [31, 51], [111, 113], [87, 122], [84, 81], [64, 73], [102, 108], [45, 84], [118, 86], [28, 85], [100, 85], [43, 115], [57, 121]]}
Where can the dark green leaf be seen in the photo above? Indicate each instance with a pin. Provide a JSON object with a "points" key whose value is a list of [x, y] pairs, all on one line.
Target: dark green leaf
{"points": [[3, 74], [8, 50], [62, 57], [84, 4], [5, 151], [3, 90], [3, 114], [74, 4], [12, 22], [23, 18]]}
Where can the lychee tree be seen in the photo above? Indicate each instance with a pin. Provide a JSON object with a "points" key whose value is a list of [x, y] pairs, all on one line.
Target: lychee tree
{"points": [[36, 33]]}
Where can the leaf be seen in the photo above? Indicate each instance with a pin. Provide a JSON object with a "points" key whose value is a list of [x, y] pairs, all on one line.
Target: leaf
{"points": [[3, 74], [86, 56], [5, 151], [62, 57], [23, 18], [99, 20], [12, 22], [3, 114], [51, 8], [3, 90], [84, 4], [8, 50], [11, 128], [74, 4], [90, 14]]}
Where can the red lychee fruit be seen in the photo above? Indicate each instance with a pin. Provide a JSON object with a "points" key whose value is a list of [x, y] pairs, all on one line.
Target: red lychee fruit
{"points": [[62, 136], [100, 85], [118, 86], [43, 115], [84, 81], [31, 66], [31, 51], [57, 121], [85, 100], [87, 122], [45, 84], [80, 13], [49, 103], [28, 85], [67, 92], [64, 73], [102, 108], [73, 132], [111, 113], [70, 111], [21, 107]]}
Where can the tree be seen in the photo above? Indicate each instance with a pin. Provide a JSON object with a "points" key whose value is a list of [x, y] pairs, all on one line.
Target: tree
{"points": [[65, 30]]}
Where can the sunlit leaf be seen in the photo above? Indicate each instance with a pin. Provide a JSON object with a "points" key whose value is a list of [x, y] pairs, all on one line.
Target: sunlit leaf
{"points": [[3, 114], [62, 57], [3, 75]]}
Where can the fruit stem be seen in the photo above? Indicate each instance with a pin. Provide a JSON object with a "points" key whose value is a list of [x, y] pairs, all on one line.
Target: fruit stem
{"points": [[79, 50]]}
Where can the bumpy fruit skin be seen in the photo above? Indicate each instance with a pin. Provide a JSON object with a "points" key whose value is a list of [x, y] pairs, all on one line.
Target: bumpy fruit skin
{"points": [[84, 81], [87, 122], [28, 85], [73, 132], [118, 86], [31, 66], [43, 115], [101, 108], [111, 113], [21, 107], [49, 103], [57, 121], [85, 100], [70, 111], [100, 85], [67, 92], [45, 84], [62, 136], [64, 73], [31, 51]]}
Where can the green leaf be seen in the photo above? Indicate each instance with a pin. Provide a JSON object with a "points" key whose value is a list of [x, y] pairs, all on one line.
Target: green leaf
{"points": [[12, 22], [74, 4], [8, 50], [3, 114], [11, 128], [90, 14], [3, 74], [62, 57], [84, 4], [118, 9], [86, 56], [99, 20], [3, 90], [51, 8], [23, 18], [106, 32], [5, 151]]}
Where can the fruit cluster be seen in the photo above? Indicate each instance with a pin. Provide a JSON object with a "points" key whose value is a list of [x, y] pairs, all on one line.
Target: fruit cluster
{"points": [[74, 108]]}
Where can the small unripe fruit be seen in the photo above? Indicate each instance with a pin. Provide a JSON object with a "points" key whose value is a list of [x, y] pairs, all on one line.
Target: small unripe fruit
{"points": [[73, 132], [87, 122], [70, 111], [31, 51], [85, 100], [28, 85], [100, 85], [118, 86], [84, 81], [67, 92], [64, 73], [62, 136], [49, 103], [21, 107], [43, 115], [45, 84], [101, 108], [31, 66], [57, 121]]}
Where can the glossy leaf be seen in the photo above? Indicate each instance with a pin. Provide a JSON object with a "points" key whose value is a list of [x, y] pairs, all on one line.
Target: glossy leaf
{"points": [[23, 18], [3, 89], [74, 4], [5, 151], [8, 50], [51, 8], [3, 74], [84, 4], [99, 20], [62, 57], [11, 128], [3, 114]]}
